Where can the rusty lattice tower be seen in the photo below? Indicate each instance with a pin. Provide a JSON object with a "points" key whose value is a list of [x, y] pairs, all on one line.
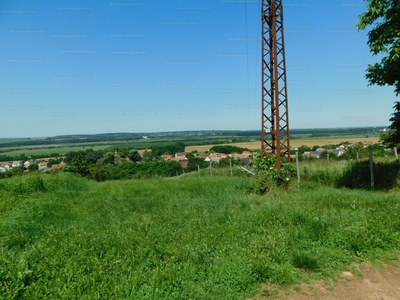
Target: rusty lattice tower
{"points": [[275, 116]]}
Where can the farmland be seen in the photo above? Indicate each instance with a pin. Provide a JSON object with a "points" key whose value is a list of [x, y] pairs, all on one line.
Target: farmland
{"points": [[48, 151], [200, 141], [310, 142]]}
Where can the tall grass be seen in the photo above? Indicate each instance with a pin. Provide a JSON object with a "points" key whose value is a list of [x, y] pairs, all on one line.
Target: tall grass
{"points": [[322, 171], [352, 174], [191, 238]]}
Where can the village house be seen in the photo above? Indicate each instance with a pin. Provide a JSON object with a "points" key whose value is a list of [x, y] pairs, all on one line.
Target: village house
{"points": [[317, 153], [17, 164], [183, 163], [245, 154], [42, 166], [27, 163], [311, 154], [180, 156], [5, 166], [58, 166], [167, 157], [340, 150], [216, 157]]}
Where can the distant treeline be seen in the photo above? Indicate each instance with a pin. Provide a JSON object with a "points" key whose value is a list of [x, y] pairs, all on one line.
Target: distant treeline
{"points": [[201, 137], [70, 140], [318, 132], [227, 149], [168, 149]]}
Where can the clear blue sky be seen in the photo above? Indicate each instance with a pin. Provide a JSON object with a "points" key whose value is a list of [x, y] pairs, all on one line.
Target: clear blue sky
{"points": [[82, 67]]}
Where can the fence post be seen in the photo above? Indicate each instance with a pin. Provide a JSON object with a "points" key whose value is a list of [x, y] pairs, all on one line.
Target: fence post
{"points": [[210, 168], [297, 166], [230, 166], [371, 167], [395, 153]]}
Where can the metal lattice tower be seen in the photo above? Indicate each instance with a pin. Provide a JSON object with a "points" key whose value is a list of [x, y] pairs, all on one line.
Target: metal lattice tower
{"points": [[275, 116]]}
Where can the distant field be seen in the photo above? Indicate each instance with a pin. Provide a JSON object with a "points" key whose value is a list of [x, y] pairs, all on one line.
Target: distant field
{"points": [[47, 151], [192, 142], [294, 143]]}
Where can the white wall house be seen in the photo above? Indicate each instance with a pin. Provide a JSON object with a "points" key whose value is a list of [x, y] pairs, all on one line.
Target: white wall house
{"points": [[5, 166], [17, 164]]}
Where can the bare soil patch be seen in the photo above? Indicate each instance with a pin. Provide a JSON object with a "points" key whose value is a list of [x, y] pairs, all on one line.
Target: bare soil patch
{"points": [[362, 282]]}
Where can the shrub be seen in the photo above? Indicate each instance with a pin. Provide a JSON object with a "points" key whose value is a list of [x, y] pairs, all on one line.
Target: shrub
{"points": [[268, 176]]}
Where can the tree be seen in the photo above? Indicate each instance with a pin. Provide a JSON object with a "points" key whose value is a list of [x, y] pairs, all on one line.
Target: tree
{"points": [[384, 39], [53, 161], [33, 167], [79, 164], [134, 155], [23, 157], [392, 138], [303, 149], [227, 149], [315, 148], [108, 158], [148, 156]]}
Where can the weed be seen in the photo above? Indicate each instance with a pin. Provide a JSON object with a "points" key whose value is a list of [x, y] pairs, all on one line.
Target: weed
{"points": [[305, 260]]}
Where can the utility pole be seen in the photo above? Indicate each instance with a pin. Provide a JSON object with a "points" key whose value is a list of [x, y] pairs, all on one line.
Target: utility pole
{"points": [[275, 115]]}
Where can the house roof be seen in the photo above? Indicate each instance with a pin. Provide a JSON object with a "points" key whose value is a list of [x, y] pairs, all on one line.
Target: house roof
{"points": [[311, 154], [247, 153], [58, 166]]}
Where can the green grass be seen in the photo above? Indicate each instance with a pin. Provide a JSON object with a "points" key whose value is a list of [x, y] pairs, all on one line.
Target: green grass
{"points": [[65, 237]]}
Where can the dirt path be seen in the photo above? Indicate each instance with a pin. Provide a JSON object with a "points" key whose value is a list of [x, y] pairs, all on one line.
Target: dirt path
{"points": [[380, 283]]}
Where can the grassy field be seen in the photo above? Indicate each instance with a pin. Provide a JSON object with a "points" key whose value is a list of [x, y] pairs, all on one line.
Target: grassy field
{"points": [[65, 237]]}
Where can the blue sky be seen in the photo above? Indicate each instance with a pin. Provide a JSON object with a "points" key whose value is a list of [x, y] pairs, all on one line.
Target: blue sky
{"points": [[82, 67]]}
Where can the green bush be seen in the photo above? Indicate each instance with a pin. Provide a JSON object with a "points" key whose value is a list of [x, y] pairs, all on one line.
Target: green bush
{"points": [[268, 176]]}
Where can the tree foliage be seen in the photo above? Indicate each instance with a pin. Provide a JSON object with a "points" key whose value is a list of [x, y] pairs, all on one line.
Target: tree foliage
{"points": [[33, 167], [227, 149], [392, 138], [168, 149], [383, 38]]}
